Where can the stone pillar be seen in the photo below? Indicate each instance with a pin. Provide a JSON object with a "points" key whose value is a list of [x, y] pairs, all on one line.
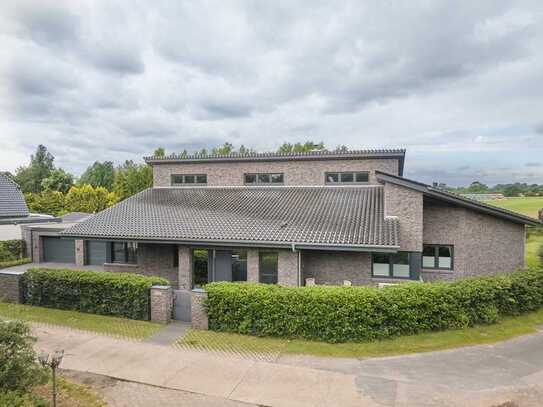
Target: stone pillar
{"points": [[37, 248], [79, 252], [197, 309], [287, 268], [161, 303], [185, 268], [10, 286], [252, 265]]}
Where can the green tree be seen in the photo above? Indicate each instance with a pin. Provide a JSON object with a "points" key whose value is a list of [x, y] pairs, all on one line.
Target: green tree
{"points": [[41, 165], [160, 152], [244, 150], [301, 147], [58, 180], [47, 202], [477, 187], [184, 154], [131, 178], [86, 198], [342, 148], [19, 370], [99, 174], [225, 149]]}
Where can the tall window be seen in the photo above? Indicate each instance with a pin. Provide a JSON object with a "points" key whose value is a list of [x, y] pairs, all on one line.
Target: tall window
{"points": [[239, 265], [124, 252], [200, 262], [268, 267], [188, 179], [351, 177], [391, 265], [437, 257], [264, 178]]}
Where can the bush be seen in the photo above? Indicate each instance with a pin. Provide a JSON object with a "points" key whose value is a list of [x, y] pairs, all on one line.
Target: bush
{"points": [[119, 294], [341, 314], [20, 399], [11, 263], [11, 250], [19, 370]]}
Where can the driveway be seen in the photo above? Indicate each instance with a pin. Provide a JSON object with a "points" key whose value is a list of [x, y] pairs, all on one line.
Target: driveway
{"points": [[487, 376]]}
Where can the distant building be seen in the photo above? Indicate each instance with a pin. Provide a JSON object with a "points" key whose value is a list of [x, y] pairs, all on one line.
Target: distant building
{"points": [[484, 197]]}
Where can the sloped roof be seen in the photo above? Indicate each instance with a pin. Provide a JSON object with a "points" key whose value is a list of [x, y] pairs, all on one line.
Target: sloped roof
{"points": [[398, 153], [456, 199], [341, 217], [12, 201], [73, 217]]}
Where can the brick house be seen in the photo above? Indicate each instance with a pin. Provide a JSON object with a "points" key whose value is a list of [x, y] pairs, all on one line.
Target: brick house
{"points": [[294, 219]]}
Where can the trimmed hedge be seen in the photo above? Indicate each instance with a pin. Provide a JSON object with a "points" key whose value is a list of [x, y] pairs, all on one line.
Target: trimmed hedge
{"points": [[119, 294], [11, 263], [11, 250], [342, 314]]}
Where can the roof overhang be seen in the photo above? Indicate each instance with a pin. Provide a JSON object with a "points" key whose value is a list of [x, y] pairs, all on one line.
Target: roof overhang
{"points": [[455, 199], [27, 220]]}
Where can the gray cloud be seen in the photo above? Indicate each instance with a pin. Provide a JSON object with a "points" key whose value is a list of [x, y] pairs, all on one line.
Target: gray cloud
{"points": [[458, 85]]}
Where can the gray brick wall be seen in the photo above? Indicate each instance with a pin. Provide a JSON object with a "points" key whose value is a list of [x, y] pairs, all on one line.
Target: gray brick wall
{"points": [[331, 268], [296, 172], [161, 303], [10, 289], [184, 271], [252, 265], [407, 205], [287, 268], [79, 252], [483, 244], [198, 312]]}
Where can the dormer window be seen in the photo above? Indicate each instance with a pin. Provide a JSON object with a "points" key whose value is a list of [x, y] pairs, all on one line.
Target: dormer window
{"points": [[264, 179], [350, 177], [188, 179]]}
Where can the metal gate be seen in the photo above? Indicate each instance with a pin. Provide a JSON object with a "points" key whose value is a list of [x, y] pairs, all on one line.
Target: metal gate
{"points": [[181, 305]]}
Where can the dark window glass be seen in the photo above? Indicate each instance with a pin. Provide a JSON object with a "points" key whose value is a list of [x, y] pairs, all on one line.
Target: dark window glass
{"points": [[117, 252], [124, 252], [175, 254], [347, 177], [435, 256], [200, 262], [277, 178], [201, 179], [391, 265], [428, 257], [444, 260], [264, 178], [131, 253], [189, 179], [332, 177], [400, 265], [381, 264], [250, 178], [239, 265], [177, 179], [268, 267], [362, 177]]}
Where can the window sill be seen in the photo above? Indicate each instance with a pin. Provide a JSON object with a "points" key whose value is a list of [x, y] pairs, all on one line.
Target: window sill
{"points": [[383, 278], [439, 271], [121, 264]]}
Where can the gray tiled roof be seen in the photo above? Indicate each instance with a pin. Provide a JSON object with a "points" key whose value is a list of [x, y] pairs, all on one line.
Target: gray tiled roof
{"points": [[327, 216], [12, 201]]}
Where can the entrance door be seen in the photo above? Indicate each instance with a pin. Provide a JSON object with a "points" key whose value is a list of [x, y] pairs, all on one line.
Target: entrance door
{"points": [[223, 265], [96, 252], [58, 250]]}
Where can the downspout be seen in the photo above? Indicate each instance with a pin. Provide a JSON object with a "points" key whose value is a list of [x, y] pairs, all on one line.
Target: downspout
{"points": [[299, 277]]}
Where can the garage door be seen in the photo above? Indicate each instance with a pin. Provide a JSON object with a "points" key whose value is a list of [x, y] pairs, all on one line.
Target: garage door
{"points": [[96, 252], [58, 250]]}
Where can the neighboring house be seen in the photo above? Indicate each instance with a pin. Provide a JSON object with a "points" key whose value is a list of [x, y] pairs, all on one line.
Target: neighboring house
{"points": [[328, 217], [14, 211]]}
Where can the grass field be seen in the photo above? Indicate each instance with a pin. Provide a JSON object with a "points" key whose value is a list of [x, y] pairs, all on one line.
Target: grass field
{"points": [[527, 206]]}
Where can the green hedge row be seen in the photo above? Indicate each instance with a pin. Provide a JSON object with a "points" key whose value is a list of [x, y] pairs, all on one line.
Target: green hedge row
{"points": [[12, 250], [120, 294], [342, 314], [11, 263]]}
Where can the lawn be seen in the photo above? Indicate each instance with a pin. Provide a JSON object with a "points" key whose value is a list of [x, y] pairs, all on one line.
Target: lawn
{"points": [[70, 394], [527, 206], [113, 326], [427, 342]]}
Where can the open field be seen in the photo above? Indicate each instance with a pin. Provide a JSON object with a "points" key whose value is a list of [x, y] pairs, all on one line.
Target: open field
{"points": [[527, 206]]}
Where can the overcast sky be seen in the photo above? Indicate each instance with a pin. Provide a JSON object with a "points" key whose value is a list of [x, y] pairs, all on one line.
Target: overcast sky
{"points": [[457, 83]]}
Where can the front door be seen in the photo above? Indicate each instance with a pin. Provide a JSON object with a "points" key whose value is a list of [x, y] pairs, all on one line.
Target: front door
{"points": [[223, 265]]}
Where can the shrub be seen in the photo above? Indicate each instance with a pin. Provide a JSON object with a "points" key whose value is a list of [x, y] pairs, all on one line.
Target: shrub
{"points": [[11, 250], [19, 370], [119, 294], [340, 314], [11, 263]]}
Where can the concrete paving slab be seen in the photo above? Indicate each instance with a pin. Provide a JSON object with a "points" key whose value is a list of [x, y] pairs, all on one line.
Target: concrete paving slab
{"points": [[169, 334]]}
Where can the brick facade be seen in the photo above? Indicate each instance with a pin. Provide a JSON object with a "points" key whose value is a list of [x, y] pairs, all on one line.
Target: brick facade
{"points": [[198, 312], [296, 172], [252, 265], [161, 303], [10, 286], [483, 244], [287, 268], [184, 271], [80, 252]]}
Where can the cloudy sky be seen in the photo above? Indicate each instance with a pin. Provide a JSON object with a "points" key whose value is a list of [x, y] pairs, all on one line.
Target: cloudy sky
{"points": [[457, 83]]}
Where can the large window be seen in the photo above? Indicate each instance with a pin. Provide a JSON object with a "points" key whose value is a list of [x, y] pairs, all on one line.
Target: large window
{"points": [[189, 179], [124, 252], [268, 267], [200, 262], [437, 257], [264, 179], [357, 177], [394, 265]]}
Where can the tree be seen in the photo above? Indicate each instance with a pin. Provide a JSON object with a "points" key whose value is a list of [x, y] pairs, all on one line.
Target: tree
{"points": [[225, 149], [244, 150], [88, 199], [58, 180], [342, 148], [184, 154], [159, 152], [41, 165], [477, 187], [132, 178], [301, 148], [47, 202], [99, 174]]}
